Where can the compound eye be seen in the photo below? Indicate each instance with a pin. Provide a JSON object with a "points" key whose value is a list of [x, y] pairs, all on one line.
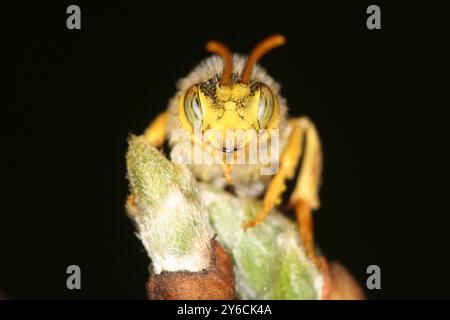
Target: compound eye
{"points": [[193, 108], [265, 106]]}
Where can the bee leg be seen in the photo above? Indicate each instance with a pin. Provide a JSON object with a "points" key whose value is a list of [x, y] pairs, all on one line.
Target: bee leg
{"points": [[226, 168], [131, 205], [155, 134], [306, 224], [305, 197], [288, 162]]}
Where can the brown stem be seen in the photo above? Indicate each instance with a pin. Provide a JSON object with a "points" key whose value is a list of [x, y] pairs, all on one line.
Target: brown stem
{"points": [[215, 283]]}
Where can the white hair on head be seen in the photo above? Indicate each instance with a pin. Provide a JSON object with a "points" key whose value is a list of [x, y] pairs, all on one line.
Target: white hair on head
{"points": [[213, 66]]}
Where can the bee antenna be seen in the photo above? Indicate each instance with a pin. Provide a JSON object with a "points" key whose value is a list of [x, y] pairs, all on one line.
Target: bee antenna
{"points": [[260, 49], [222, 50]]}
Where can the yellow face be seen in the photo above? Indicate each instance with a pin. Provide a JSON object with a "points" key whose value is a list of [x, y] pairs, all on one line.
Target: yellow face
{"points": [[217, 110]]}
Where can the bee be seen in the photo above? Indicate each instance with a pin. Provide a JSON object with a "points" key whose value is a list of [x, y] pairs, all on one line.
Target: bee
{"points": [[232, 92]]}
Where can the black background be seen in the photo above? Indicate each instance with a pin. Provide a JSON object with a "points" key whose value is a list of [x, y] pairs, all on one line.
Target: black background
{"points": [[377, 97]]}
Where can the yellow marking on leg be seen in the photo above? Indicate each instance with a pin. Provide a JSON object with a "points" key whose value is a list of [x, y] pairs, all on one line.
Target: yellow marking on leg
{"points": [[306, 225], [308, 182], [155, 134], [227, 169], [304, 198], [131, 205], [288, 162]]}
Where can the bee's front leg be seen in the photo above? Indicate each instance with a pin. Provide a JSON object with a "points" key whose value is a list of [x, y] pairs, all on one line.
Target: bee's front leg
{"points": [[155, 134], [304, 198]]}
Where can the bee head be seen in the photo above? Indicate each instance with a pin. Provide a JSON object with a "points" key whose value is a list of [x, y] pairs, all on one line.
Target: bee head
{"points": [[231, 102]]}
